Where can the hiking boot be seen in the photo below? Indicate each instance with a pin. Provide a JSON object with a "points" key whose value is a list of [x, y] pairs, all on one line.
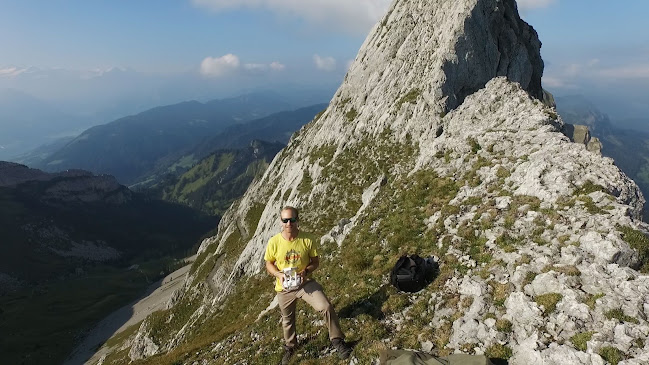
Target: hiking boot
{"points": [[288, 353], [342, 348]]}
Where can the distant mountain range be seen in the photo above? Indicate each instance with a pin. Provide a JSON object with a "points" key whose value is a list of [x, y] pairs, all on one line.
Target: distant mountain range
{"points": [[38, 105], [27, 122], [276, 127], [131, 146]]}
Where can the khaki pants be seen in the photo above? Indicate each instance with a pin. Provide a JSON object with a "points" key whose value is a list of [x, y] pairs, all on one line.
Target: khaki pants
{"points": [[312, 293]]}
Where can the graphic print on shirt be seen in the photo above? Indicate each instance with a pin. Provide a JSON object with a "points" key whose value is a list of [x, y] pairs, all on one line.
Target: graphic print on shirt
{"points": [[292, 257]]}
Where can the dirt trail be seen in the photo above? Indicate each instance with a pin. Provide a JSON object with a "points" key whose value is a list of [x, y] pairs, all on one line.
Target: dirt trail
{"points": [[156, 297]]}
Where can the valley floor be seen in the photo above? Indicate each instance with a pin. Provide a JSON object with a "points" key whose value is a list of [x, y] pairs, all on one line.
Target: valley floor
{"points": [[89, 351]]}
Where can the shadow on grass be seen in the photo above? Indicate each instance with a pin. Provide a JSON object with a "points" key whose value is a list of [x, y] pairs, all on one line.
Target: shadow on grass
{"points": [[498, 361], [370, 305]]}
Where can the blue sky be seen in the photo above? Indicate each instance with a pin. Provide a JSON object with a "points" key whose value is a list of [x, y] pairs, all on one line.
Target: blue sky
{"points": [[597, 47]]}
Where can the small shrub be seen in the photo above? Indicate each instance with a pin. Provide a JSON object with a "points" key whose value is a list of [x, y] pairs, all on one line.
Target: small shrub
{"points": [[590, 206], [507, 242], [502, 173], [588, 187], [490, 315]]}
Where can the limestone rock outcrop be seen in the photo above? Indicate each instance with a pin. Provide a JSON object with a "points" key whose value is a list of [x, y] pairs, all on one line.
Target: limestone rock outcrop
{"points": [[440, 140]]}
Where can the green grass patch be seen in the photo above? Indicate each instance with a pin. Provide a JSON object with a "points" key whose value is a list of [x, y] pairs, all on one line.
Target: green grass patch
{"points": [[620, 316], [504, 325], [591, 300], [306, 184], [498, 351], [611, 354], [410, 97], [351, 115], [475, 146], [549, 302], [588, 187], [569, 270], [580, 340], [639, 242], [508, 243]]}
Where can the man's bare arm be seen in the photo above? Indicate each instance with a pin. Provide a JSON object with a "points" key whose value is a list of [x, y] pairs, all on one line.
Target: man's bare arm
{"points": [[274, 271], [314, 262]]}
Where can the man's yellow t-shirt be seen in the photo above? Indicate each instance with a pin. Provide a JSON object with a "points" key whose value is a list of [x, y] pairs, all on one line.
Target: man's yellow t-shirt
{"points": [[285, 254]]}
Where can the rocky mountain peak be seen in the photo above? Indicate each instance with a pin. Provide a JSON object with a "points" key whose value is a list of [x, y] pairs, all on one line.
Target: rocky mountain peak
{"points": [[437, 52], [438, 142]]}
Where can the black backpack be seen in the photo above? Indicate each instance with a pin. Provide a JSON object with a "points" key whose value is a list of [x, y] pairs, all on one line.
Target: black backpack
{"points": [[413, 273]]}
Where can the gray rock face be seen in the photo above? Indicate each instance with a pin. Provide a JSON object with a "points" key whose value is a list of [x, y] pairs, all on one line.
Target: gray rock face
{"points": [[455, 87], [581, 134]]}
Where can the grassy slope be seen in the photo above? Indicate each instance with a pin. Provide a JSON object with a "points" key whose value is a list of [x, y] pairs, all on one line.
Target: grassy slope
{"points": [[216, 181], [361, 308], [354, 275]]}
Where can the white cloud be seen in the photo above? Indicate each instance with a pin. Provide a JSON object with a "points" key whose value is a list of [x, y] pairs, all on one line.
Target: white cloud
{"points": [[11, 71], [355, 16], [276, 66], [229, 64], [220, 66], [625, 72], [534, 4], [324, 63], [557, 83]]}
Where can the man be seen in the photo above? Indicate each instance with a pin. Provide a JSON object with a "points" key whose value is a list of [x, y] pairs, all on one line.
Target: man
{"points": [[294, 249]]}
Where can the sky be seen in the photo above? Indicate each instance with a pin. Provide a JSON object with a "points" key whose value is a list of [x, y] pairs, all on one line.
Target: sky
{"points": [[595, 47]]}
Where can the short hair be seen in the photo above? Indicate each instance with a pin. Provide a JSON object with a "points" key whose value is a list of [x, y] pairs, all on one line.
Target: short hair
{"points": [[293, 209]]}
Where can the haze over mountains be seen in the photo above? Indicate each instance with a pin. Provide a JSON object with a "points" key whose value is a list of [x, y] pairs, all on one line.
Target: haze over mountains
{"points": [[37, 106], [133, 147]]}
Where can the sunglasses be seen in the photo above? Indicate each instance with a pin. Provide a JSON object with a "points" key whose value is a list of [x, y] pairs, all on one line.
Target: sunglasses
{"points": [[286, 220]]}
